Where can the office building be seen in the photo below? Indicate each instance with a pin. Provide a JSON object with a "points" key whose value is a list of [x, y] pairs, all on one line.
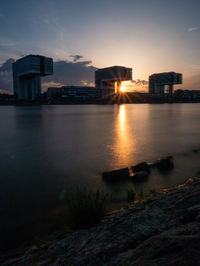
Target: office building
{"points": [[162, 83], [26, 75], [109, 79]]}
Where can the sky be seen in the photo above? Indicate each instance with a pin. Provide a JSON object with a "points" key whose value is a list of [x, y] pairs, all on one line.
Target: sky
{"points": [[150, 36]]}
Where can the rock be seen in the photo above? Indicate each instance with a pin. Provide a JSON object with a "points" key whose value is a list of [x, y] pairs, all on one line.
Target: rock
{"points": [[141, 167], [116, 175], [151, 165], [139, 176], [196, 150], [164, 163], [166, 231]]}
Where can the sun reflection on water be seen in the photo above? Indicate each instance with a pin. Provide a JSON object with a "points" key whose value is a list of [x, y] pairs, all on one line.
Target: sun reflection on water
{"points": [[123, 148], [122, 114]]}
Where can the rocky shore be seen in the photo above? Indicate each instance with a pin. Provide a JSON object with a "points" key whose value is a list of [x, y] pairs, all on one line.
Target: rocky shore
{"points": [[163, 231]]}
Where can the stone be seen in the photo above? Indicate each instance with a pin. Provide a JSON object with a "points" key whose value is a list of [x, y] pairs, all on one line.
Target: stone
{"points": [[141, 167], [164, 163], [116, 175], [139, 176]]}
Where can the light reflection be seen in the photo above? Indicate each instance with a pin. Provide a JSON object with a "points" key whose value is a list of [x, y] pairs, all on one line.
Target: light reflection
{"points": [[122, 113], [123, 148]]}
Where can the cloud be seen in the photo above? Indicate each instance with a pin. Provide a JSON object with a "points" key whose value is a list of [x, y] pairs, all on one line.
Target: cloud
{"points": [[65, 73], [76, 57], [6, 79], [72, 73], [193, 29], [46, 85], [140, 82]]}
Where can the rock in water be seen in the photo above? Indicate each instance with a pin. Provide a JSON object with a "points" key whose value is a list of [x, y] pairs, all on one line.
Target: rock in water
{"points": [[164, 163], [141, 167], [116, 175], [139, 176]]}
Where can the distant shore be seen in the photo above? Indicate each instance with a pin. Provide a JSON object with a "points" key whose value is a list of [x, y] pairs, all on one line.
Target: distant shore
{"points": [[125, 98]]}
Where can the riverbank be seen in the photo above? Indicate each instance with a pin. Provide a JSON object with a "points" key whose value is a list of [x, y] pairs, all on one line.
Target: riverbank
{"points": [[120, 98], [162, 231]]}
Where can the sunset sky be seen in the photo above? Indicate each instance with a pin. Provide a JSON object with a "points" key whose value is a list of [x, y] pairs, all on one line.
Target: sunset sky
{"points": [[149, 36]]}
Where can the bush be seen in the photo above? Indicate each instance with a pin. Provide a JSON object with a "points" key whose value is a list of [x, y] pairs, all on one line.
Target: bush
{"points": [[86, 208]]}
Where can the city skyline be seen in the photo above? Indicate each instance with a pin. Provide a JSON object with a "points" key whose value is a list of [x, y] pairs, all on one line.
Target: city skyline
{"points": [[147, 36]]}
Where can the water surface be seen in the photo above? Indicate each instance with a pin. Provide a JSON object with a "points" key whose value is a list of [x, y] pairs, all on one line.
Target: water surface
{"points": [[47, 151]]}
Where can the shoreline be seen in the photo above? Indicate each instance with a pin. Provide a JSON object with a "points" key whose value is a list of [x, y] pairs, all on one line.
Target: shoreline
{"points": [[149, 224], [51, 233], [95, 103]]}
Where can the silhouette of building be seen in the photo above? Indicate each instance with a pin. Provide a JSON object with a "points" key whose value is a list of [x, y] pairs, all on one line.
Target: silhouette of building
{"points": [[26, 75], [162, 83], [187, 94], [81, 92], [54, 92], [109, 79], [74, 93]]}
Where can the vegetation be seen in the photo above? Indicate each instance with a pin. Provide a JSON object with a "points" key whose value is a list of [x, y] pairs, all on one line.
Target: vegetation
{"points": [[130, 195], [86, 208], [139, 195]]}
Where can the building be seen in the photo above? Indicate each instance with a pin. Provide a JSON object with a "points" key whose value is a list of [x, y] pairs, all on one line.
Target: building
{"points": [[26, 75], [109, 79], [187, 94], [74, 93], [81, 92], [162, 83], [54, 92]]}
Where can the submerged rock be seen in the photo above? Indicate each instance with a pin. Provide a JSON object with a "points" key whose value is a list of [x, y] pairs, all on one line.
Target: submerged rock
{"points": [[138, 172], [141, 167], [164, 163], [196, 150], [116, 175], [139, 176]]}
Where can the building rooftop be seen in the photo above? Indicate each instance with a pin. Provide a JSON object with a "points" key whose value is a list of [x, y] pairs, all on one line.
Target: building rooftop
{"points": [[112, 67]]}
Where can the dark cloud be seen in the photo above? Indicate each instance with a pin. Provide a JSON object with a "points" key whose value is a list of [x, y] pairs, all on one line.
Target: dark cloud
{"points": [[140, 82], [72, 73], [7, 65], [76, 57], [6, 79], [65, 73]]}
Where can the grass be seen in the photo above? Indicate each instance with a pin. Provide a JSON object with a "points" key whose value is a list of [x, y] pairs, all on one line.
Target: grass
{"points": [[140, 196], [86, 208]]}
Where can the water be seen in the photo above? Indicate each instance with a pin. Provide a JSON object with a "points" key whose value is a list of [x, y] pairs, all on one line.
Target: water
{"points": [[47, 151]]}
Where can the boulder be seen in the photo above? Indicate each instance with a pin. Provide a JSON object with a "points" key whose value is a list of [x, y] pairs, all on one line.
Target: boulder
{"points": [[116, 175], [164, 163], [196, 150], [139, 176], [141, 167]]}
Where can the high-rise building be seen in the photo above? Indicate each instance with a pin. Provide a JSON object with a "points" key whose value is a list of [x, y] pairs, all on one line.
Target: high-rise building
{"points": [[159, 81], [26, 75], [109, 79]]}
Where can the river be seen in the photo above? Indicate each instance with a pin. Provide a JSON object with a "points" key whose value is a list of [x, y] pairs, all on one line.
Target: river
{"points": [[48, 151]]}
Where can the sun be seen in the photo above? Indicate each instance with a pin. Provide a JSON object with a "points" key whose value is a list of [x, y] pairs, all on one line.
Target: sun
{"points": [[122, 89]]}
